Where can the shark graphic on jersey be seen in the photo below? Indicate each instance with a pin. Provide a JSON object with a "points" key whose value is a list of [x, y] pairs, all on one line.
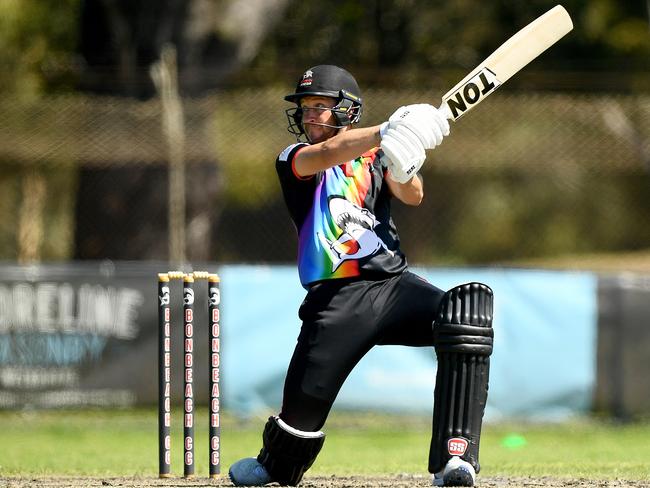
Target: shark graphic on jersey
{"points": [[358, 238], [342, 216]]}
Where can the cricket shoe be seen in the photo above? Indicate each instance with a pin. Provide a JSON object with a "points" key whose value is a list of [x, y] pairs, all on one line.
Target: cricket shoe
{"points": [[456, 473], [248, 472]]}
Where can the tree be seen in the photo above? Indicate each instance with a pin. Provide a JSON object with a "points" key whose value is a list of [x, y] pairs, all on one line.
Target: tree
{"points": [[213, 39], [120, 41], [37, 43]]}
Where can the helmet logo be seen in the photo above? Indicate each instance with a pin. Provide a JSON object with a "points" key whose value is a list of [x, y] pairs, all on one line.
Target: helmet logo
{"points": [[307, 78]]}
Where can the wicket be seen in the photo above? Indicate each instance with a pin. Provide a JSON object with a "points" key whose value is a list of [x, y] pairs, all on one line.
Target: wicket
{"points": [[164, 371]]}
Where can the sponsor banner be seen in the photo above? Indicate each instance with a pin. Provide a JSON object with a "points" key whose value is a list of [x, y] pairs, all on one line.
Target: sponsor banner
{"points": [[545, 337], [86, 334], [80, 334], [543, 365]]}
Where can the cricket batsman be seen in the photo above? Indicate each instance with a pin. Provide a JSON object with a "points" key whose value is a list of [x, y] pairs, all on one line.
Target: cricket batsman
{"points": [[338, 184]]}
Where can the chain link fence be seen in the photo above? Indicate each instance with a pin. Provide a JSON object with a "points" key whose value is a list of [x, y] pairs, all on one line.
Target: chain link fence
{"points": [[525, 175]]}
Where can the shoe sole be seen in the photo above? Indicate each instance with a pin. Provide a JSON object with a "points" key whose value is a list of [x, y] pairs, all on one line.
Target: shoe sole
{"points": [[458, 477]]}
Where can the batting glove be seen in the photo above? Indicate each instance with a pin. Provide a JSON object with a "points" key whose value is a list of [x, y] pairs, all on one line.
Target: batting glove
{"points": [[403, 153], [424, 120]]}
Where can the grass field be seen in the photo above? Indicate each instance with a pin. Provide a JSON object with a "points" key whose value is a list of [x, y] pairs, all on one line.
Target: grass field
{"points": [[124, 443]]}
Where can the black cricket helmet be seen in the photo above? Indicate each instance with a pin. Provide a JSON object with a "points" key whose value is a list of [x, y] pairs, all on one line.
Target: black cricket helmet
{"points": [[326, 80]]}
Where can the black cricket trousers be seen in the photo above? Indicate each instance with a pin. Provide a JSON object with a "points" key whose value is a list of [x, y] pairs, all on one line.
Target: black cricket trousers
{"points": [[341, 321]]}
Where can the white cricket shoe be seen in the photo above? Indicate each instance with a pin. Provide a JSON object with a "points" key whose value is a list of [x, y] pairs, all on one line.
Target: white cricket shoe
{"points": [[456, 473], [249, 472]]}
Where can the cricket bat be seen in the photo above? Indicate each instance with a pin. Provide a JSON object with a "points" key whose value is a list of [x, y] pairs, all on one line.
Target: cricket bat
{"points": [[508, 59]]}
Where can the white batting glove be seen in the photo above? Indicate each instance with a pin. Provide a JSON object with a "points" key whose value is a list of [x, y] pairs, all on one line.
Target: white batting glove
{"points": [[403, 152], [426, 121]]}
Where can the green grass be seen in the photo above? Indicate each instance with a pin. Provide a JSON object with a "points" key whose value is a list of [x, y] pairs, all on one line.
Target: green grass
{"points": [[124, 443]]}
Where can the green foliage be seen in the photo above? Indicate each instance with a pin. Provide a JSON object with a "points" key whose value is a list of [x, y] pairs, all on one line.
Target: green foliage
{"points": [[37, 43], [523, 176], [385, 41], [510, 215], [400, 42], [505, 186], [619, 27], [249, 132]]}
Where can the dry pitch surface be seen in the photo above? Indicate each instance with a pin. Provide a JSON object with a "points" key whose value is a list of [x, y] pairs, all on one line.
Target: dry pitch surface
{"points": [[402, 481]]}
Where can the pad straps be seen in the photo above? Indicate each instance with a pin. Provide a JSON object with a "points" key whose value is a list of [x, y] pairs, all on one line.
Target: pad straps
{"points": [[288, 452]]}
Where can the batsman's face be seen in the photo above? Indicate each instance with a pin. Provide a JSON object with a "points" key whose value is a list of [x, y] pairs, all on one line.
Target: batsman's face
{"points": [[317, 116]]}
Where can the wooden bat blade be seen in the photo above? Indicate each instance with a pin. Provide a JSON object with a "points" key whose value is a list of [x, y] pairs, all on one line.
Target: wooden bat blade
{"points": [[506, 60]]}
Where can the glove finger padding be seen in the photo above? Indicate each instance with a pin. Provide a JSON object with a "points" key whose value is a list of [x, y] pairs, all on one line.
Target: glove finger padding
{"points": [[411, 140], [432, 122], [425, 131], [405, 146], [424, 120], [414, 117], [404, 151]]}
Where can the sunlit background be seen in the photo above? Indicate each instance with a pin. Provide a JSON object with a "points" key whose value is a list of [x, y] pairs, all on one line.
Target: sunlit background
{"points": [[140, 136]]}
